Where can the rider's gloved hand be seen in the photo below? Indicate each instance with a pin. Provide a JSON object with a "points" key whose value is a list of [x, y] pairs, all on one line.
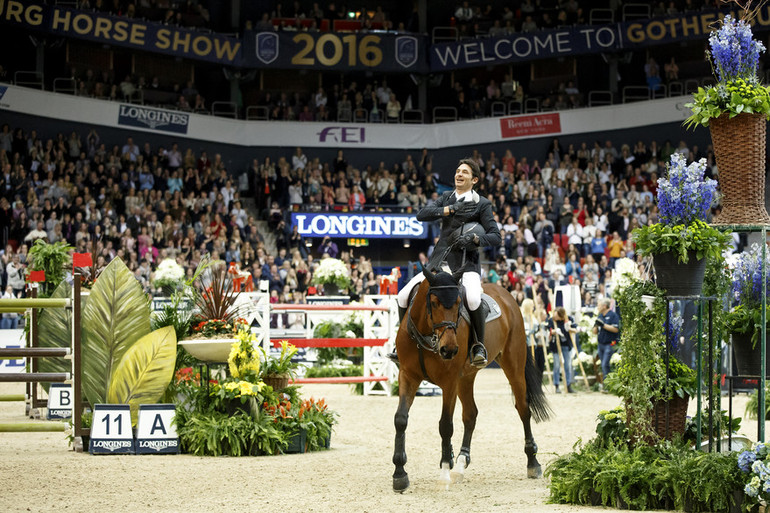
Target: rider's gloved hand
{"points": [[470, 240], [462, 208], [455, 206]]}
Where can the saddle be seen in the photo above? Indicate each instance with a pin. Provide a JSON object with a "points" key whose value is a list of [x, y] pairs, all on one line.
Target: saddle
{"points": [[491, 309]]}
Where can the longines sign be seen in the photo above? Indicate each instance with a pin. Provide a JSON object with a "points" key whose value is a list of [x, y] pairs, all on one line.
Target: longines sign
{"points": [[365, 225]]}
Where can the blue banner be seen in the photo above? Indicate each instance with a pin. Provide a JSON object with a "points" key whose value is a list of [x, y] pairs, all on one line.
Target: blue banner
{"points": [[570, 41], [121, 31], [365, 51], [359, 225]]}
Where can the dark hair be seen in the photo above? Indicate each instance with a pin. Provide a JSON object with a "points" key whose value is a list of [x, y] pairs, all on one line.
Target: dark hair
{"points": [[475, 171]]}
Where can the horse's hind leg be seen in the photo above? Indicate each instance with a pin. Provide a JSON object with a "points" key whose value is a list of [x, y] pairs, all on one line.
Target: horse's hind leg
{"points": [[470, 412], [515, 372], [406, 392]]}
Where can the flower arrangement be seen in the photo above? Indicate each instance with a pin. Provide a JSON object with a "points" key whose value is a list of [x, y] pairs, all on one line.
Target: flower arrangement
{"points": [[625, 271], [209, 328], [334, 271], [753, 464], [243, 361], [684, 200], [282, 365], [169, 275], [734, 56], [745, 316], [311, 416]]}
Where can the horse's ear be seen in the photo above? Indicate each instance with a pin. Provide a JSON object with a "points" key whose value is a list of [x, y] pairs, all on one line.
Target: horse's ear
{"points": [[429, 275]]}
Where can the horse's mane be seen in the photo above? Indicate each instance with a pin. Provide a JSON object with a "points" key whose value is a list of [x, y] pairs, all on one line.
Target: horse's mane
{"points": [[446, 296]]}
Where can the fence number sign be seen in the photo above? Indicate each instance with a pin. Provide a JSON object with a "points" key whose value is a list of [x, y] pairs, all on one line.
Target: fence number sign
{"points": [[111, 431]]}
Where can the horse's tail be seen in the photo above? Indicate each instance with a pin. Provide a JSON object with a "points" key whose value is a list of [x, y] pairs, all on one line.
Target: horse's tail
{"points": [[538, 405]]}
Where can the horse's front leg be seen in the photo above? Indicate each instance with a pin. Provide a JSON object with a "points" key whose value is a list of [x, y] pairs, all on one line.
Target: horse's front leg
{"points": [[406, 392], [446, 430], [470, 412]]}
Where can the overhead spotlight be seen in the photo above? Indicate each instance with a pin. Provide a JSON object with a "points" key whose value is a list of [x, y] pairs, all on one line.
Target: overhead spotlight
{"points": [[407, 243], [309, 242]]}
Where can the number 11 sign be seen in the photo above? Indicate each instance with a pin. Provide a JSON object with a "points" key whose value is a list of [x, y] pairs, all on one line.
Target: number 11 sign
{"points": [[111, 431]]}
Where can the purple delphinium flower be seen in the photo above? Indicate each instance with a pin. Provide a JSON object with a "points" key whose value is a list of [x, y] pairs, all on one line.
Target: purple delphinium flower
{"points": [[747, 277], [685, 195], [734, 52]]}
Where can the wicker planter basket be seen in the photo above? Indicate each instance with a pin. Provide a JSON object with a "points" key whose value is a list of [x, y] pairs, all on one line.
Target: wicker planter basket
{"points": [[677, 416], [277, 382], [739, 147]]}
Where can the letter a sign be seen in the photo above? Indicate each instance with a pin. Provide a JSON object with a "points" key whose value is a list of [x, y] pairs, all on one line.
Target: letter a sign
{"points": [[156, 433]]}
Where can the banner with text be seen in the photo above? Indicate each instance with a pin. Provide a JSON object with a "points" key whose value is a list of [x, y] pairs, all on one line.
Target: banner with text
{"points": [[373, 225], [121, 31], [335, 50], [570, 41]]}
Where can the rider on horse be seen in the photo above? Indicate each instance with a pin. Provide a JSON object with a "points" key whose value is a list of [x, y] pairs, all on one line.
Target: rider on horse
{"points": [[461, 251]]}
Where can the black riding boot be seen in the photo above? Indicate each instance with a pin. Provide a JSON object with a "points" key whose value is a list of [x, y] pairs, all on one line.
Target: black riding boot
{"points": [[393, 357], [478, 351]]}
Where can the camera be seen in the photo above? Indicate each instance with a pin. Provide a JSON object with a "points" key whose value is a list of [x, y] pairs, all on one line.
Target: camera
{"points": [[598, 323]]}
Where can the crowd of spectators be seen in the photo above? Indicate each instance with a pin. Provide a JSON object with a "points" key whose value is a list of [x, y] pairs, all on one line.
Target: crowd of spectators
{"points": [[185, 13], [565, 216], [138, 89]]}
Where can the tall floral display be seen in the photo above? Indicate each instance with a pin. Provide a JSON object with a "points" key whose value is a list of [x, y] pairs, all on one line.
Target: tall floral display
{"points": [[736, 109], [682, 235]]}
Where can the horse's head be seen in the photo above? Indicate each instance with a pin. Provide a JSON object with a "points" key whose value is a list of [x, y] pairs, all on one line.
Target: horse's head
{"points": [[443, 308]]}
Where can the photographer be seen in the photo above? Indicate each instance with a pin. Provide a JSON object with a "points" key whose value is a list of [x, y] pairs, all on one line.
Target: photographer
{"points": [[607, 328], [328, 247], [561, 326]]}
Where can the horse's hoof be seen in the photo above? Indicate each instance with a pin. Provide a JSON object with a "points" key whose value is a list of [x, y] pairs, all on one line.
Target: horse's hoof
{"points": [[534, 472], [458, 473], [446, 477], [400, 484]]}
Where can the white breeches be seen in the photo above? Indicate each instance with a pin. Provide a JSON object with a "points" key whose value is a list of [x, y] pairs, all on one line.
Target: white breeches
{"points": [[470, 280]]}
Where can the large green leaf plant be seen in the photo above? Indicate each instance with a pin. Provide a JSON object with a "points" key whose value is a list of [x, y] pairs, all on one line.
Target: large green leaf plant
{"points": [[123, 361]]}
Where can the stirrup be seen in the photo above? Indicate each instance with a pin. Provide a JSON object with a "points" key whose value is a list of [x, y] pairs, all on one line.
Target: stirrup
{"points": [[479, 355]]}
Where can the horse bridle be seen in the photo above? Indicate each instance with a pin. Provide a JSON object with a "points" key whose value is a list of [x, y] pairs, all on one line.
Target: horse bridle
{"points": [[431, 341]]}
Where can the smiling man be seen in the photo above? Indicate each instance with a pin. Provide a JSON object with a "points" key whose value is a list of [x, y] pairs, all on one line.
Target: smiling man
{"points": [[461, 252]]}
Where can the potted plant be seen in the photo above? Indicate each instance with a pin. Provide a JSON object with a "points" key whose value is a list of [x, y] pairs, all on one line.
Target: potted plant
{"points": [[682, 241], [744, 319], [51, 258], [333, 275], [650, 375], [277, 371], [308, 423], [736, 110], [214, 321], [168, 277]]}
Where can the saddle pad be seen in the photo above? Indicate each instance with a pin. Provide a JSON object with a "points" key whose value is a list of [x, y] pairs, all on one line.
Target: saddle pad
{"points": [[491, 306]]}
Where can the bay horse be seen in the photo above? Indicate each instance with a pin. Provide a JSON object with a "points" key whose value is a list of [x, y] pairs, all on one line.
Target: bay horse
{"points": [[432, 344]]}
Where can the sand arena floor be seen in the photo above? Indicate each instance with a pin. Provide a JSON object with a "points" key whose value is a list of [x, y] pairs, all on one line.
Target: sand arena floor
{"points": [[41, 474]]}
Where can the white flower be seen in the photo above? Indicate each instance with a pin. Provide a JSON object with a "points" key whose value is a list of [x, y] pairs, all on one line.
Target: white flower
{"points": [[626, 270], [168, 271], [615, 359], [332, 270]]}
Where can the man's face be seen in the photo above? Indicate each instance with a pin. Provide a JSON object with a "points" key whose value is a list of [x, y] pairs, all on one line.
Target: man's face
{"points": [[464, 179]]}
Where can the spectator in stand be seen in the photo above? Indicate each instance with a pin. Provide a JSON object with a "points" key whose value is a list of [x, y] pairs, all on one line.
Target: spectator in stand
{"points": [[393, 109], [671, 70]]}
